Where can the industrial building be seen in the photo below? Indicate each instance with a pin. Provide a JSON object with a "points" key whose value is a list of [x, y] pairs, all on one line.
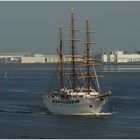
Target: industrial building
{"points": [[120, 57], [37, 58], [28, 58], [8, 58]]}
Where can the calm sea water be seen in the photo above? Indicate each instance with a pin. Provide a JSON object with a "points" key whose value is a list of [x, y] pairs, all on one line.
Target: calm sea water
{"points": [[23, 115]]}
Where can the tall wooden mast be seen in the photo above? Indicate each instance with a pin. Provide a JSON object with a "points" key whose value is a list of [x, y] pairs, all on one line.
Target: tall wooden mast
{"points": [[61, 59], [88, 57], [73, 40], [87, 51]]}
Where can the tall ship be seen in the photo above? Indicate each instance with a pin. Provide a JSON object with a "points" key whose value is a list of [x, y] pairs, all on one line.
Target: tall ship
{"points": [[79, 92]]}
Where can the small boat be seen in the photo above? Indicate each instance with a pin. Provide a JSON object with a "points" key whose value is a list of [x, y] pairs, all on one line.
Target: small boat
{"points": [[5, 75], [79, 91]]}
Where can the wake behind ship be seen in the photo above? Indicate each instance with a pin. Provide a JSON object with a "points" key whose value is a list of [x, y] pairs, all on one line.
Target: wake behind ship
{"points": [[80, 92]]}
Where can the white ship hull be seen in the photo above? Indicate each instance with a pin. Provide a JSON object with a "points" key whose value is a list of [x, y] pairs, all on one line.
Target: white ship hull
{"points": [[65, 107]]}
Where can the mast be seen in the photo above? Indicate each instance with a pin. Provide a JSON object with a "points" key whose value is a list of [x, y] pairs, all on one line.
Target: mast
{"points": [[88, 58], [61, 59], [73, 40], [87, 50]]}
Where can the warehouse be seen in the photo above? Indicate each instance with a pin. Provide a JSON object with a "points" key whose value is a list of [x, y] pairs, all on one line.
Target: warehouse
{"points": [[120, 57]]}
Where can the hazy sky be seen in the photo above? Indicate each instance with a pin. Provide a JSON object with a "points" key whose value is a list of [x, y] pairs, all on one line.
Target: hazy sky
{"points": [[33, 26]]}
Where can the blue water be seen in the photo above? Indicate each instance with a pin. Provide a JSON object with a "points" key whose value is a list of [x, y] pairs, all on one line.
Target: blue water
{"points": [[23, 115]]}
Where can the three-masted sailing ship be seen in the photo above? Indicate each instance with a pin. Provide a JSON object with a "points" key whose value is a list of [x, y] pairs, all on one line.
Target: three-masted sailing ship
{"points": [[80, 90]]}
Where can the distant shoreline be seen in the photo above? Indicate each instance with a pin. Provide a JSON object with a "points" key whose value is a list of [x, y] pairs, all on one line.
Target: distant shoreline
{"points": [[131, 63], [45, 64], [28, 65]]}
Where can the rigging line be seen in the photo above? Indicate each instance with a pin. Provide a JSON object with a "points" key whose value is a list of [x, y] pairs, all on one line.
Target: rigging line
{"points": [[97, 81], [68, 77], [56, 68], [82, 75], [77, 79], [54, 78], [64, 70], [94, 84]]}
